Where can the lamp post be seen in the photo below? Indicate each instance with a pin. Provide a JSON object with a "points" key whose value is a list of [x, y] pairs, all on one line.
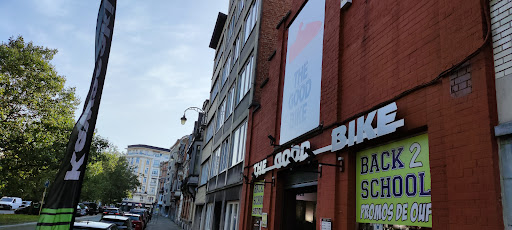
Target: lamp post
{"points": [[184, 119]]}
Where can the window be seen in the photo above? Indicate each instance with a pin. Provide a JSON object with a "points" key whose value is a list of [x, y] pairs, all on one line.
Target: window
{"points": [[152, 192], [230, 102], [250, 20], [209, 131], [224, 154], [231, 217], [215, 90], [239, 137], [146, 171], [209, 215], [236, 49], [204, 173], [150, 199], [137, 160], [221, 115], [156, 163], [154, 172], [214, 169], [240, 7], [226, 69], [147, 162], [244, 80], [231, 26], [144, 181]]}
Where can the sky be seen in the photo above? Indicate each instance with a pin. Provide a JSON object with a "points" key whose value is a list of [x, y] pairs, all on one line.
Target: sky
{"points": [[160, 63]]}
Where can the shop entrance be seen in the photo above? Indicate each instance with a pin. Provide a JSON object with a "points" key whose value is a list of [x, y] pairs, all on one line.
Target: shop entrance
{"points": [[299, 197], [300, 208]]}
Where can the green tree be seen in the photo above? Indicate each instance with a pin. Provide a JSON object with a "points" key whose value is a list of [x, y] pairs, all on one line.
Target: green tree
{"points": [[108, 177], [36, 118]]}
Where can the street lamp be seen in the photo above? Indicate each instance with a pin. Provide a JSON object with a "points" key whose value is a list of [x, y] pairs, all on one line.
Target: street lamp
{"points": [[184, 119]]}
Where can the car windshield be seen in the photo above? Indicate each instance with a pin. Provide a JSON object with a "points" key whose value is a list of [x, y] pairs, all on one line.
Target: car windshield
{"points": [[6, 199]]}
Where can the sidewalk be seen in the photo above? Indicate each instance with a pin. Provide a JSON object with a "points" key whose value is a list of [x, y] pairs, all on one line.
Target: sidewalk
{"points": [[162, 223]]}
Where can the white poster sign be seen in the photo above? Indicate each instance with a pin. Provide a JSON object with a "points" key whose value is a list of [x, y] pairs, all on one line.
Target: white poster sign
{"points": [[303, 74]]}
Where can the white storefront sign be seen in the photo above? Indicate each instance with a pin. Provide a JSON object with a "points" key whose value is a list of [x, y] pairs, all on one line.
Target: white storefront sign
{"points": [[357, 133]]}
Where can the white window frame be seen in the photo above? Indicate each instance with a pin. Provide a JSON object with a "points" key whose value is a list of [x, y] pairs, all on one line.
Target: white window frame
{"points": [[208, 217], [239, 144], [231, 216], [224, 155], [245, 79], [214, 166]]}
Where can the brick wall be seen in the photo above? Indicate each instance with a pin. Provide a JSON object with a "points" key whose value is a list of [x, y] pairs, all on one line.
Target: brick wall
{"points": [[501, 19], [373, 51]]}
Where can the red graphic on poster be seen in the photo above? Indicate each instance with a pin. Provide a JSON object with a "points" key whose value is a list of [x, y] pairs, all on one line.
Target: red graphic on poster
{"points": [[304, 37]]}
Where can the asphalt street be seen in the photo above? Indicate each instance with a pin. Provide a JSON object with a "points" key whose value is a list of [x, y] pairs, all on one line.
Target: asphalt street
{"points": [[157, 223]]}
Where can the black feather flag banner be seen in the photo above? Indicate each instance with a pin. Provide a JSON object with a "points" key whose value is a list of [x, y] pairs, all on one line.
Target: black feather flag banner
{"points": [[60, 206]]}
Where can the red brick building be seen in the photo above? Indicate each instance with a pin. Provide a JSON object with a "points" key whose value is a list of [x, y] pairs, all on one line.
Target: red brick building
{"points": [[397, 77]]}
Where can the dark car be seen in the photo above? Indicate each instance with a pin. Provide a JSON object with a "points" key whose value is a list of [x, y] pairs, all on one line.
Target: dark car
{"points": [[31, 209], [113, 211], [93, 208], [94, 225], [122, 222]]}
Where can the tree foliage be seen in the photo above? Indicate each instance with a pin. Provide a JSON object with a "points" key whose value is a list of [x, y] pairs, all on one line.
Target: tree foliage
{"points": [[108, 177], [36, 118]]}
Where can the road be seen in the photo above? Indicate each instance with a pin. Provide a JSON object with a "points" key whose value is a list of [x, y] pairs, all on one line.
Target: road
{"points": [[157, 223], [32, 226]]}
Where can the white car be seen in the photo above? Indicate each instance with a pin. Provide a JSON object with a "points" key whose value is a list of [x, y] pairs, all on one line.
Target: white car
{"points": [[94, 225], [10, 203]]}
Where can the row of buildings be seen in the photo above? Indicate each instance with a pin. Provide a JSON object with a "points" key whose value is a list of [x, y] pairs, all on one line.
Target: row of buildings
{"points": [[329, 114]]}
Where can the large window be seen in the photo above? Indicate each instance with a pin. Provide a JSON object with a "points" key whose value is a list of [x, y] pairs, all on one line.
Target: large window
{"points": [[204, 173], [236, 49], [224, 154], [250, 20], [209, 131], [231, 27], [220, 115], [215, 90], [209, 217], [215, 163], [230, 102], [244, 80], [240, 7], [231, 216], [226, 69], [239, 138]]}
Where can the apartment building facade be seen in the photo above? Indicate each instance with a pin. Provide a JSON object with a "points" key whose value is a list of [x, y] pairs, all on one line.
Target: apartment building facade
{"points": [[145, 161], [239, 49]]}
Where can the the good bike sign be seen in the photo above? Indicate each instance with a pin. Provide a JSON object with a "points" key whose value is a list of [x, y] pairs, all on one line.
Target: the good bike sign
{"points": [[342, 136]]}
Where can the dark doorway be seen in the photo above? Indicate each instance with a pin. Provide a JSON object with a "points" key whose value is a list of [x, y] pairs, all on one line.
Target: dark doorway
{"points": [[299, 212], [217, 210]]}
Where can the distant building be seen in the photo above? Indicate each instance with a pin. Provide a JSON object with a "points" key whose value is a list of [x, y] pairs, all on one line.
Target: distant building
{"points": [[145, 162]]}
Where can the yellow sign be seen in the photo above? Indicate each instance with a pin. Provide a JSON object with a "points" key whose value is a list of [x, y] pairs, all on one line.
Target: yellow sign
{"points": [[393, 183]]}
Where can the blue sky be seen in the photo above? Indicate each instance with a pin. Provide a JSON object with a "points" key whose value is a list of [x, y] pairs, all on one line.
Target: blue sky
{"points": [[160, 63]]}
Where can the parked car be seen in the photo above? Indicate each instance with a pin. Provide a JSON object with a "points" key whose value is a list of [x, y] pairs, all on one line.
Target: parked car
{"points": [[10, 203], [143, 213], [113, 211], [122, 222], [94, 225], [81, 210], [138, 222], [31, 209], [93, 208]]}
